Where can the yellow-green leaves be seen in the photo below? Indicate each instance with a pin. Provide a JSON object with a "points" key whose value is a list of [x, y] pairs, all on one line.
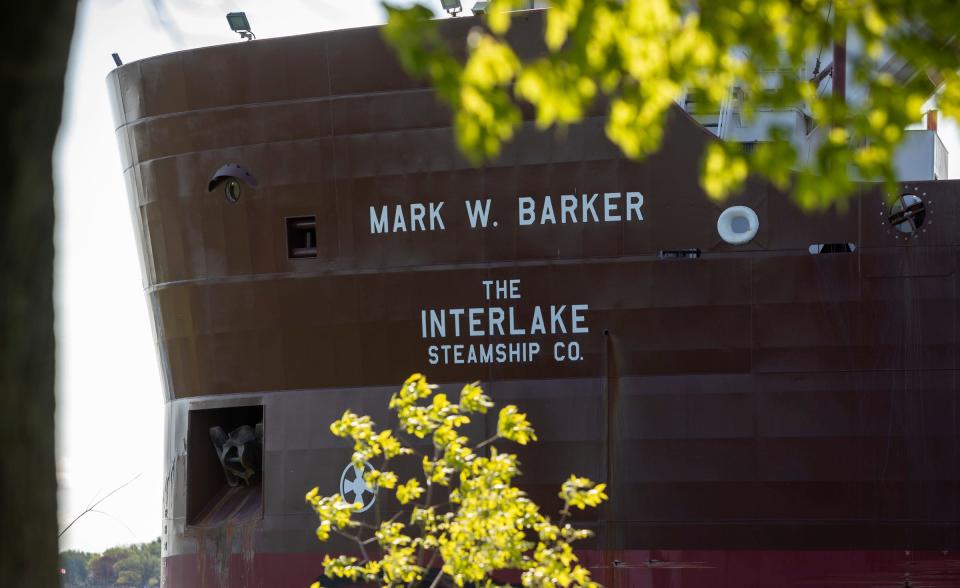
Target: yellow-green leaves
{"points": [[498, 14], [486, 531], [562, 17], [436, 472], [581, 493], [514, 426], [334, 512], [484, 523], [389, 444], [485, 115], [367, 442], [560, 90], [351, 425], [472, 399], [341, 567], [415, 388], [409, 490], [380, 479], [347, 567], [642, 56], [398, 563], [724, 170], [556, 566]]}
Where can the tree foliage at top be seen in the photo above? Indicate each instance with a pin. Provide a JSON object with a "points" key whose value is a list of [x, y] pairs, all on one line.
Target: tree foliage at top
{"points": [[466, 517], [643, 55]]}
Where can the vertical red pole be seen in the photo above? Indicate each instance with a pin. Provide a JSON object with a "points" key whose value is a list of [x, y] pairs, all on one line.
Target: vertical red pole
{"points": [[840, 64]]}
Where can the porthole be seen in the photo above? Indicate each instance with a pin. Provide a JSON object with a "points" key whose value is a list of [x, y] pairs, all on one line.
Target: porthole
{"points": [[738, 225], [907, 214]]}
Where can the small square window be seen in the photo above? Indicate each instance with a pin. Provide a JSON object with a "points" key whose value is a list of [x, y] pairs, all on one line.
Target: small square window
{"points": [[301, 237]]}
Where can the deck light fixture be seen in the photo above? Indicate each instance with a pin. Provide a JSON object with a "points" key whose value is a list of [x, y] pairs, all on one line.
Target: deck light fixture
{"points": [[453, 7], [239, 24], [480, 8]]}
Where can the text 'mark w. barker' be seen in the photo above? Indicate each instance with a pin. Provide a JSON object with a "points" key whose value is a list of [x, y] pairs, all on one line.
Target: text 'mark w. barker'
{"points": [[606, 207]]}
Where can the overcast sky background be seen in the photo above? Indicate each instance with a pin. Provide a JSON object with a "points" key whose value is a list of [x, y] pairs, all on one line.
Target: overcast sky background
{"points": [[109, 411]]}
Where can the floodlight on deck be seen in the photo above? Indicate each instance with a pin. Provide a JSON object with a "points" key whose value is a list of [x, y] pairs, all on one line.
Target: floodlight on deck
{"points": [[239, 24], [480, 8], [453, 7]]}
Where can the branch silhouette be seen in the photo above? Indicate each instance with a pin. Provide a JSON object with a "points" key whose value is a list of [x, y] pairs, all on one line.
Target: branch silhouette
{"points": [[93, 507]]}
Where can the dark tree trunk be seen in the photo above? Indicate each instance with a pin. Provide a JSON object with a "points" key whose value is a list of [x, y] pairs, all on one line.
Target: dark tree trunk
{"points": [[34, 43]]}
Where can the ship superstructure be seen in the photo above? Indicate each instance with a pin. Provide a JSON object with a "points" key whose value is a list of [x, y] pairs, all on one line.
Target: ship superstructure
{"points": [[921, 156]]}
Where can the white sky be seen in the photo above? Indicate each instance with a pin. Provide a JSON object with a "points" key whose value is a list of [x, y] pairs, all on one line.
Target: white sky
{"points": [[110, 406]]}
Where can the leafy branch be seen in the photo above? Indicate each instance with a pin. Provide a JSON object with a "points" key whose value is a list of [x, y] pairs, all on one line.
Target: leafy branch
{"points": [[638, 58], [486, 523]]}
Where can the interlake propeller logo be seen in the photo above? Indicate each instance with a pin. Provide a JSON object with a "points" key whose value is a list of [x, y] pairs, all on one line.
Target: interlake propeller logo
{"points": [[354, 488]]}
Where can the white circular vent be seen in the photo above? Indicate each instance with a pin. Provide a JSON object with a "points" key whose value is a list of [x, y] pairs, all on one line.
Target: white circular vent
{"points": [[738, 225]]}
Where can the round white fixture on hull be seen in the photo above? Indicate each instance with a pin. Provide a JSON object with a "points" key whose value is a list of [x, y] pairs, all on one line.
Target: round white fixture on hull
{"points": [[738, 225]]}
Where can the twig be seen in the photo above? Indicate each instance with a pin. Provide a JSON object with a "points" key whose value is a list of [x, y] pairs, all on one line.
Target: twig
{"points": [[433, 557], [92, 507], [429, 497], [363, 551], [436, 456], [376, 503], [436, 580], [487, 442], [356, 539], [106, 514]]}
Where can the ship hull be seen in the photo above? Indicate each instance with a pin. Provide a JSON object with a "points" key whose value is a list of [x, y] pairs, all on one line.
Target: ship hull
{"points": [[763, 416], [653, 568]]}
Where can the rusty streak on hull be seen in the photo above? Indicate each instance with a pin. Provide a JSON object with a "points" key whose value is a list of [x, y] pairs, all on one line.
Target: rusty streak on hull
{"points": [[774, 415]]}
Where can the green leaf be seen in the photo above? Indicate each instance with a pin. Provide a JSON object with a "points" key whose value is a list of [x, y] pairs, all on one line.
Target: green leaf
{"points": [[513, 425]]}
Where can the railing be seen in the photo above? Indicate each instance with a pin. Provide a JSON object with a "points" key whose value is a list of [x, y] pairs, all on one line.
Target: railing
{"points": [[725, 118]]}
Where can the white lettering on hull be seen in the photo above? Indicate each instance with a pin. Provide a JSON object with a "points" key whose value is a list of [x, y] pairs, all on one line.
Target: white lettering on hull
{"points": [[503, 318], [567, 209], [416, 217], [612, 208]]}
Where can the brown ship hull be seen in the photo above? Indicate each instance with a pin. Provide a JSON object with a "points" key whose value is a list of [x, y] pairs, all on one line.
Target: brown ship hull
{"points": [[646, 568], [763, 416]]}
